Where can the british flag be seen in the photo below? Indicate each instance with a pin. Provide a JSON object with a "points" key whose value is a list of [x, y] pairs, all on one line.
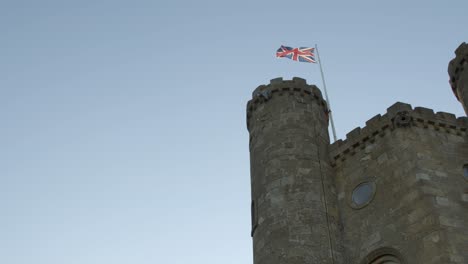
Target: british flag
{"points": [[297, 54]]}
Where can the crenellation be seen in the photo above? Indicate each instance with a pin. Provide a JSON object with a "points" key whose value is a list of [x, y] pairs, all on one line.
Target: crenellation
{"points": [[300, 81], [377, 125], [278, 80], [446, 118], [374, 121], [393, 191], [462, 122], [296, 87], [353, 134], [259, 88], [357, 139], [289, 140], [397, 108], [423, 113]]}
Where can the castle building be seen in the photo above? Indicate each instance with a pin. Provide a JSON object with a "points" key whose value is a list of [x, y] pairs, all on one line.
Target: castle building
{"points": [[394, 191]]}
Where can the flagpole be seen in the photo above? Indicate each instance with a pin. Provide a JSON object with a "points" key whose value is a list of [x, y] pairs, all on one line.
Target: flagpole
{"points": [[326, 95]]}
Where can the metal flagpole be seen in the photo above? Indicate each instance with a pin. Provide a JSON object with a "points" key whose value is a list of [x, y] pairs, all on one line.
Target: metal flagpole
{"points": [[326, 95]]}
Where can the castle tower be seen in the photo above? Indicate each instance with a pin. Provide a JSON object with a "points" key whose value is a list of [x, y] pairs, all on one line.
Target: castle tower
{"points": [[458, 72], [402, 192], [394, 191], [294, 212]]}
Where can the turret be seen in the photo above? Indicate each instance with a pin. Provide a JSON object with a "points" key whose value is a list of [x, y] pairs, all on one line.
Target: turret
{"points": [[458, 72], [294, 212]]}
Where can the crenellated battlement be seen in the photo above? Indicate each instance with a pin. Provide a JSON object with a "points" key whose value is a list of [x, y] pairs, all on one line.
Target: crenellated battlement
{"points": [[398, 115], [280, 87], [288, 141], [394, 190]]}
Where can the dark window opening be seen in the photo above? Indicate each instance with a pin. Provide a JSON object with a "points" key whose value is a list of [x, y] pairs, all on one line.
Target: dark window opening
{"points": [[253, 215], [465, 171]]}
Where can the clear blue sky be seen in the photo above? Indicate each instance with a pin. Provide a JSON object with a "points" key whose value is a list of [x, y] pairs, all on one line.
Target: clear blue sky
{"points": [[123, 135]]}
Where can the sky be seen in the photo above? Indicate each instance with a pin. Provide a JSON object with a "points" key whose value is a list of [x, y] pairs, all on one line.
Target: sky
{"points": [[123, 134]]}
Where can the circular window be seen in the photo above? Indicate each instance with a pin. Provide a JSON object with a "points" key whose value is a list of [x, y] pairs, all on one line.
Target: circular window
{"points": [[362, 194], [384, 256], [465, 171], [386, 259]]}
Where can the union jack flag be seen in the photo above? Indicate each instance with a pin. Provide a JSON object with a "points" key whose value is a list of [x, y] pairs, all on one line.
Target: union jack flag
{"points": [[297, 54]]}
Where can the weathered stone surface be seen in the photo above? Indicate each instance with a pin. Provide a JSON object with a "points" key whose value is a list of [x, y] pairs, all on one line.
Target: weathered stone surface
{"points": [[295, 213], [302, 211], [458, 72]]}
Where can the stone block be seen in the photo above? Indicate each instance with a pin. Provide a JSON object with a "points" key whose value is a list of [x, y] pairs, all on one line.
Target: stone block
{"points": [[398, 107], [423, 112]]}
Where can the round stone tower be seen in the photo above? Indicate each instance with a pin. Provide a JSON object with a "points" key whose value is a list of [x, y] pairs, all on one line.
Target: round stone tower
{"points": [[294, 212], [458, 72]]}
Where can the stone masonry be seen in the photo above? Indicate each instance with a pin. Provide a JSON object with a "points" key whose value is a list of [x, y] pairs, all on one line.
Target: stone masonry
{"points": [[394, 191], [458, 71]]}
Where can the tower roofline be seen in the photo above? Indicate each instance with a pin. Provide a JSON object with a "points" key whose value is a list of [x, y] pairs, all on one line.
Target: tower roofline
{"points": [[398, 115], [278, 87]]}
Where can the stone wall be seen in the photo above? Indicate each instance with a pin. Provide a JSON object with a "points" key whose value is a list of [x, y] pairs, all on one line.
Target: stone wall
{"points": [[302, 186], [294, 211], [415, 160]]}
